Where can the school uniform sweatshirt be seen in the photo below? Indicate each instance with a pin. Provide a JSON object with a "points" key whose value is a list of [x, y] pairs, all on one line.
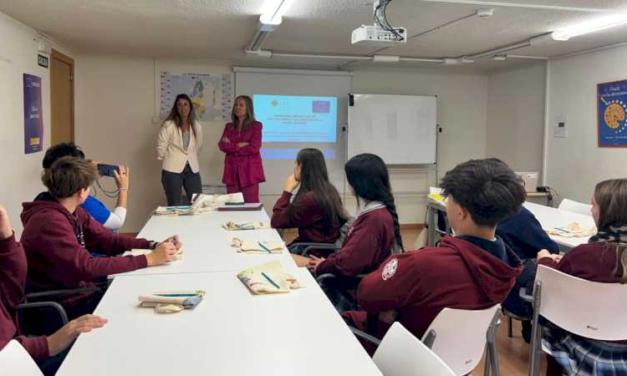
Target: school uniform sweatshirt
{"points": [[56, 243], [419, 284], [307, 215], [368, 242], [524, 234], [12, 281]]}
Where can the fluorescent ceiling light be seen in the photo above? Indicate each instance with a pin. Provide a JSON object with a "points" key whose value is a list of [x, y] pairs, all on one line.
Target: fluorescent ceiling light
{"points": [[590, 27], [273, 11]]}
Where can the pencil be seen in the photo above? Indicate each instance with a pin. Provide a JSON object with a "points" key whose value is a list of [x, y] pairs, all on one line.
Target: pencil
{"points": [[270, 280]]}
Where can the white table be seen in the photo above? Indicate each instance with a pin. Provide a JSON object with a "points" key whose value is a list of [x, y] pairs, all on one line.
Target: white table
{"points": [[206, 245], [548, 217], [551, 218], [231, 332]]}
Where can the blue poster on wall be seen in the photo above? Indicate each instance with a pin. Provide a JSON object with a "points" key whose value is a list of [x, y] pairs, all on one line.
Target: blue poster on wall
{"points": [[33, 114], [612, 114]]}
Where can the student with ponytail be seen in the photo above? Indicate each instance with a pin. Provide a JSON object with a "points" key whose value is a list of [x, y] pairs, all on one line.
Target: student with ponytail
{"points": [[375, 232]]}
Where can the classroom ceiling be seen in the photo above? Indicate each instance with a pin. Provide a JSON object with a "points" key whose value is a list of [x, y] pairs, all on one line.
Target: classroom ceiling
{"points": [[223, 29]]}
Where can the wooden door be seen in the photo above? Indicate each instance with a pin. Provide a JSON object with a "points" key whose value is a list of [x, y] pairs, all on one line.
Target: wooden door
{"points": [[61, 98]]}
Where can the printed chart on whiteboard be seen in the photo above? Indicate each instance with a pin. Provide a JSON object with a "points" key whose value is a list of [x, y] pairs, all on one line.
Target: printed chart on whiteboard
{"points": [[211, 94]]}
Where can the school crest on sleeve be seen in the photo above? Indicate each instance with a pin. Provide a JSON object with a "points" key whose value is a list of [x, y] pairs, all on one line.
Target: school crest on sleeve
{"points": [[389, 269]]}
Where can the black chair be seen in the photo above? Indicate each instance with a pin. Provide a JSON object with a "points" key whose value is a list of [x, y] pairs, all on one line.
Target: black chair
{"points": [[42, 313]]}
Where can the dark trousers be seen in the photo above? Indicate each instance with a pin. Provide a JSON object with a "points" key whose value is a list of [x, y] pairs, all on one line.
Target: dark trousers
{"points": [[173, 182]]}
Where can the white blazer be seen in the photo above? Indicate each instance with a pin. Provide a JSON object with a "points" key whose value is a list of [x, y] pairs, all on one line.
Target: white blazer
{"points": [[171, 151]]}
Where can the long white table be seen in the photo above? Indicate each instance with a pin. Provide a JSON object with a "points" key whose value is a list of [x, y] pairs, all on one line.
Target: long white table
{"points": [[206, 245], [551, 218], [231, 332]]}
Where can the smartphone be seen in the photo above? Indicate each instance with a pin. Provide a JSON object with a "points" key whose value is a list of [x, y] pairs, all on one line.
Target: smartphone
{"points": [[107, 169]]}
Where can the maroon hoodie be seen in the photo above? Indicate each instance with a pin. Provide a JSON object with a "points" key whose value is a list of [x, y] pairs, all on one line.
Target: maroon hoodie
{"points": [[57, 258], [368, 242], [12, 281], [419, 284], [311, 220]]}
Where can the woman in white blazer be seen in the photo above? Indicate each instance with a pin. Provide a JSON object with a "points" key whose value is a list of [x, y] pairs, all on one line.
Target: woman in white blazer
{"points": [[180, 139]]}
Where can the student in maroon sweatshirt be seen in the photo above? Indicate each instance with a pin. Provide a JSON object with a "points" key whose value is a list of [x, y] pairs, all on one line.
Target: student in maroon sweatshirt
{"points": [[473, 270], [316, 209], [58, 232], [12, 282], [372, 236], [603, 259]]}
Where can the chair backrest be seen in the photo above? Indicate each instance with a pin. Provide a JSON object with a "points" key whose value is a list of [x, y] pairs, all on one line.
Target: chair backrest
{"points": [[402, 354], [15, 361], [585, 308], [460, 336], [575, 206]]}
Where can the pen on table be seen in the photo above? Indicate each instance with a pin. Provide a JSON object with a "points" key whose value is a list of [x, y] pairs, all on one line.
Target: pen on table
{"points": [[270, 280], [264, 247]]}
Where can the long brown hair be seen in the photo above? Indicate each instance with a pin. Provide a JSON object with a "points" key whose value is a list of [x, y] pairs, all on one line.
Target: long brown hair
{"points": [[176, 117], [611, 198], [250, 112], [315, 178]]}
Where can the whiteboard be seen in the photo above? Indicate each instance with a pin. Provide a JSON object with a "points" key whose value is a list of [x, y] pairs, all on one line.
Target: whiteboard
{"points": [[401, 129]]}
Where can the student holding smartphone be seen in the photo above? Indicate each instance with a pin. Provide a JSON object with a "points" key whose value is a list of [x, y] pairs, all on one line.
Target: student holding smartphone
{"points": [[113, 220]]}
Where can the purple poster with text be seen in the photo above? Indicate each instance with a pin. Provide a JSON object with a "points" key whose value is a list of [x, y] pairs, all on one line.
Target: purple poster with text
{"points": [[33, 115]]}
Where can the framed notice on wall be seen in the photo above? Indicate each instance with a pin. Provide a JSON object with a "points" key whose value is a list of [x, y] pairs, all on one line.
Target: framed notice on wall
{"points": [[33, 115], [612, 114]]}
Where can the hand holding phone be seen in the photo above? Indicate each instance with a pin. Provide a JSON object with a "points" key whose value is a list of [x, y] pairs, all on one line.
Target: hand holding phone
{"points": [[107, 169]]}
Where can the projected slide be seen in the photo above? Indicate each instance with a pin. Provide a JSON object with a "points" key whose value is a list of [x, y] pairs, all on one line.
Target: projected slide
{"points": [[296, 118]]}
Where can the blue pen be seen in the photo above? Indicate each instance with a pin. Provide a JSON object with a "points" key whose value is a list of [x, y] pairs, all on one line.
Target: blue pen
{"points": [[270, 280], [264, 247]]}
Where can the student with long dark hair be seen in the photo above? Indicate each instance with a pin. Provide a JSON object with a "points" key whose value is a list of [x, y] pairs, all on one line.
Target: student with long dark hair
{"points": [[180, 139], [603, 259], [375, 232], [241, 142], [316, 209]]}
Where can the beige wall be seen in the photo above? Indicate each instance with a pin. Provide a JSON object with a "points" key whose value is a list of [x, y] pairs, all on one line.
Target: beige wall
{"points": [[575, 163], [20, 172], [515, 132]]}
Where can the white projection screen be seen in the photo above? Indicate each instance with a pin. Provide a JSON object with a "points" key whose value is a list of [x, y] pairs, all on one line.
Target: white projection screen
{"points": [[298, 109]]}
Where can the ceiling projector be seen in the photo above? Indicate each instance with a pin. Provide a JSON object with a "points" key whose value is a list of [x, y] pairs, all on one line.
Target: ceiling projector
{"points": [[376, 36]]}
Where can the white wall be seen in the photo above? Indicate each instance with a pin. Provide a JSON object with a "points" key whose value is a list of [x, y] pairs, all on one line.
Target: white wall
{"points": [[21, 172], [575, 164], [516, 99], [115, 104]]}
